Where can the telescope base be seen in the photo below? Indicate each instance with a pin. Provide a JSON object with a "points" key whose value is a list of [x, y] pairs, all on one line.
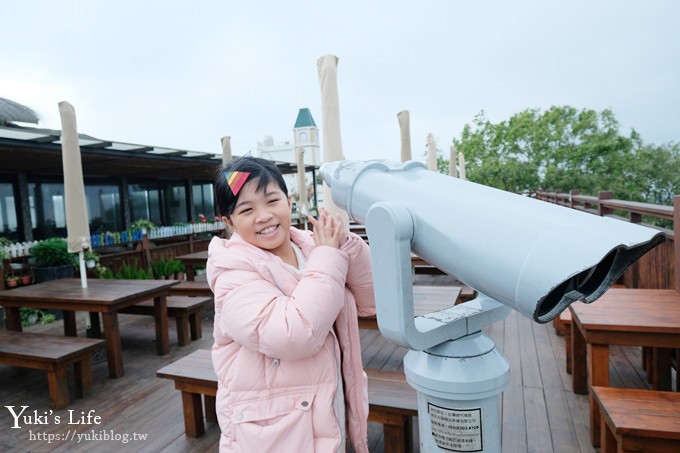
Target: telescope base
{"points": [[459, 384]]}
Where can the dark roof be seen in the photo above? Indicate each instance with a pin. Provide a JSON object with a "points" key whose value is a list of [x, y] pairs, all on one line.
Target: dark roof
{"points": [[38, 151], [304, 119]]}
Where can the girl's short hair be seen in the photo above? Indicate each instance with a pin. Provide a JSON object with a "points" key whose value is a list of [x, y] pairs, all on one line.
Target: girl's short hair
{"points": [[258, 168]]}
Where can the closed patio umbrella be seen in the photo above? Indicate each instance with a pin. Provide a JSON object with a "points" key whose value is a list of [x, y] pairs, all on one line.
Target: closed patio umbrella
{"points": [[226, 149], [405, 129], [327, 67], [461, 165], [431, 153], [453, 171], [77, 222], [301, 184]]}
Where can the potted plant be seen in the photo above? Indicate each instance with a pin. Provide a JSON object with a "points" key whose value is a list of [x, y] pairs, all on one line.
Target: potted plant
{"points": [[30, 316], [26, 278], [143, 224], [91, 259], [4, 242], [11, 281], [175, 269], [52, 260], [4, 256], [132, 272], [159, 269]]}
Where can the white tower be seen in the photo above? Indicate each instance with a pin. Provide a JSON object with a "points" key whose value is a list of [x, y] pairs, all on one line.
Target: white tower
{"points": [[307, 136]]}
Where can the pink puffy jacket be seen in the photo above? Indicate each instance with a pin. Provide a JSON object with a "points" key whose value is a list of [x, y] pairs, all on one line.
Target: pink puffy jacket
{"points": [[275, 352]]}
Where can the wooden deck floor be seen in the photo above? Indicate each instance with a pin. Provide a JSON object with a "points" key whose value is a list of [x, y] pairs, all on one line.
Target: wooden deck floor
{"points": [[540, 412]]}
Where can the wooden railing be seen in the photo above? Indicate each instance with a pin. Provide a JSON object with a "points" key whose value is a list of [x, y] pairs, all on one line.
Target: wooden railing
{"points": [[659, 268], [140, 253], [147, 251]]}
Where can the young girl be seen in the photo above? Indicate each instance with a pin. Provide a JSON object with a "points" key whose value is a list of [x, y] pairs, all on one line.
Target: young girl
{"points": [[286, 351]]}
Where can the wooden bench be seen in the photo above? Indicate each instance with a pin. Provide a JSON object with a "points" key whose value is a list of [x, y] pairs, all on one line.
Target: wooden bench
{"points": [[53, 354], [562, 324], [192, 288], [392, 401], [185, 309], [638, 420]]}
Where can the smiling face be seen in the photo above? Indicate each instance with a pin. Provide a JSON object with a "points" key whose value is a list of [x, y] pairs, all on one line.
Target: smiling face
{"points": [[262, 218]]}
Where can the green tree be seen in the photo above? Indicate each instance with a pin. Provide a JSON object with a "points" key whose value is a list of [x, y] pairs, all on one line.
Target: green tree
{"points": [[565, 148], [442, 162], [657, 171]]}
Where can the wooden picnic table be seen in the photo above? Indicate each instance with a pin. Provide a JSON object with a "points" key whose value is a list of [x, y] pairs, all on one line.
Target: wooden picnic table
{"points": [[627, 317], [426, 299], [192, 260], [101, 296]]}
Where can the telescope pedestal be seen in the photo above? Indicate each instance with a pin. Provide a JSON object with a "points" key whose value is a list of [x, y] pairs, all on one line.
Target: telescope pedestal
{"points": [[459, 385]]}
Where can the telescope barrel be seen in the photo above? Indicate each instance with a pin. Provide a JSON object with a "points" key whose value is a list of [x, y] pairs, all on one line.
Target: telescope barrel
{"points": [[533, 256]]}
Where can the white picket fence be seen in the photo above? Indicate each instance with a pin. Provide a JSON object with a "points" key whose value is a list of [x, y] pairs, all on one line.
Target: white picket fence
{"points": [[20, 249]]}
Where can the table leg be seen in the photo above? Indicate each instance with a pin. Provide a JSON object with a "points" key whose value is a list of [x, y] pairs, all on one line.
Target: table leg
{"points": [[160, 314], [82, 371], [114, 352], [677, 367], [56, 380], [661, 363], [189, 268], [599, 376], [210, 411], [70, 328], [608, 438], [95, 325], [13, 319], [579, 366], [193, 414]]}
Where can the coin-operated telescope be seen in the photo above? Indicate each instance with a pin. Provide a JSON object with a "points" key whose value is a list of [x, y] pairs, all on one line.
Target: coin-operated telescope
{"points": [[517, 252]]}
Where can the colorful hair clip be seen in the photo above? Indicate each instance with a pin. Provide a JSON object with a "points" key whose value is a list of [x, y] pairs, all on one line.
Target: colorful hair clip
{"points": [[236, 179]]}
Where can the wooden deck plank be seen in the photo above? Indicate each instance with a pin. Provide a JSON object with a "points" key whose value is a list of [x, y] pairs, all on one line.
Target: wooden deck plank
{"points": [[514, 422], [562, 432], [538, 396]]}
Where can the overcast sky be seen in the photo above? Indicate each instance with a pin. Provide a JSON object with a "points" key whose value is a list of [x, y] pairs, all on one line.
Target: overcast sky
{"points": [[182, 74]]}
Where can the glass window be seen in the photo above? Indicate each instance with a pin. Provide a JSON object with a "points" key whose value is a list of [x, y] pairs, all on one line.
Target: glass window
{"points": [[48, 212], [8, 212], [145, 202], [176, 204], [103, 207], [204, 200]]}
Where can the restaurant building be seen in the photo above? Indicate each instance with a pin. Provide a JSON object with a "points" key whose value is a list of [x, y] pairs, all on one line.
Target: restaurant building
{"points": [[124, 182]]}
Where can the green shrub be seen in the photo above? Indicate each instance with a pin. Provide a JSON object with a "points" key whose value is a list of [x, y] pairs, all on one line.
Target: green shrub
{"points": [[159, 268], [30, 316], [143, 223], [132, 272], [175, 266], [52, 252], [104, 272]]}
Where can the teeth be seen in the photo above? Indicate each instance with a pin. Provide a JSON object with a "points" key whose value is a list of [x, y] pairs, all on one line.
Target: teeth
{"points": [[268, 230]]}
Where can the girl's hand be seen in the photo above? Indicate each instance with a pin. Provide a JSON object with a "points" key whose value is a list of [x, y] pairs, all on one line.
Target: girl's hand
{"points": [[328, 230]]}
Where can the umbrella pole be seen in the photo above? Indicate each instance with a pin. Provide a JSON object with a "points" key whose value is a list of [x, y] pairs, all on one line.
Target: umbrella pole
{"points": [[83, 271]]}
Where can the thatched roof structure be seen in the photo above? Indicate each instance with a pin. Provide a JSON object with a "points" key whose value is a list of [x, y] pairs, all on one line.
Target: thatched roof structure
{"points": [[11, 111]]}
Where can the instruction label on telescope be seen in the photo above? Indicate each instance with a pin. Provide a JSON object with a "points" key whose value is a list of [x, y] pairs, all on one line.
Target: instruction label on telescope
{"points": [[450, 314], [456, 429]]}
